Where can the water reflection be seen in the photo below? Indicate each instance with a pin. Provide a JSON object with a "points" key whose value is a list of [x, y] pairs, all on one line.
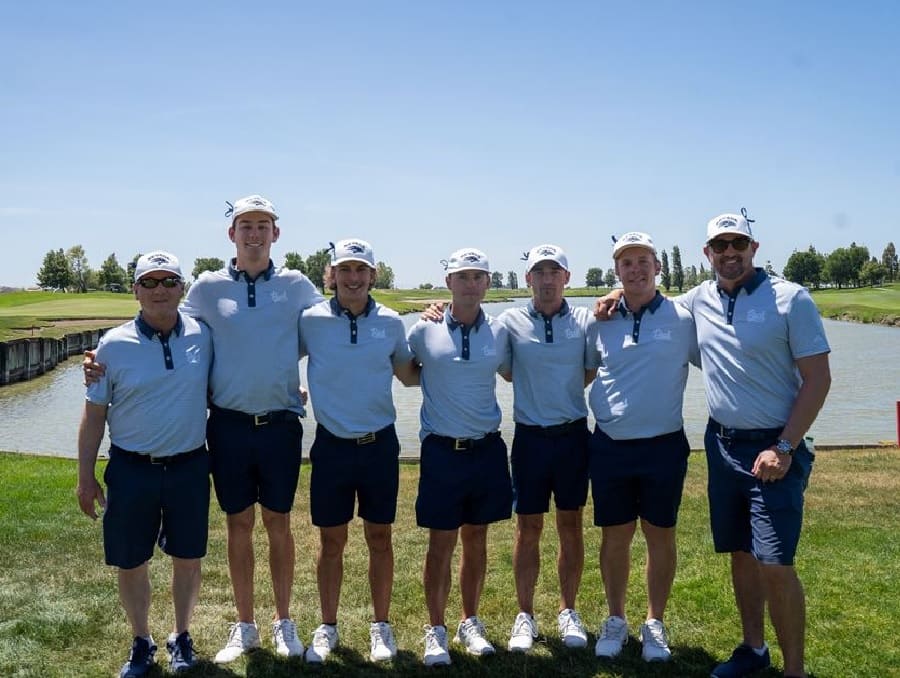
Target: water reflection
{"points": [[43, 415]]}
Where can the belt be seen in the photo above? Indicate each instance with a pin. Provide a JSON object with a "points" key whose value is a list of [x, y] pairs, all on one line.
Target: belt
{"points": [[115, 451], [364, 439], [466, 444], [256, 419], [744, 433], [557, 430]]}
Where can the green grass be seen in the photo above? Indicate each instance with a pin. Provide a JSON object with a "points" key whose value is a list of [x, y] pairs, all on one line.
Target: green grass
{"points": [[59, 613], [866, 304]]}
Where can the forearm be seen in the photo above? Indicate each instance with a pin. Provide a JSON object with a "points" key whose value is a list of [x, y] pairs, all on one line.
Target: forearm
{"points": [[90, 435], [806, 407]]}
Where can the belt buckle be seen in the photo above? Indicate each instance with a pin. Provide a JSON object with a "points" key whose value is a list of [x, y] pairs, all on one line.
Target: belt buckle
{"points": [[462, 444], [261, 419], [158, 461], [366, 439], [723, 432]]}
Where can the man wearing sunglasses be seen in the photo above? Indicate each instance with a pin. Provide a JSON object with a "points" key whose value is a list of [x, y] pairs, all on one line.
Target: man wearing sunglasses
{"points": [[765, 367], [153, 397], [254, 432]]}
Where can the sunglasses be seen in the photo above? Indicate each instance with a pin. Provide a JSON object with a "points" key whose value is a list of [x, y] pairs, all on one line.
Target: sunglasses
{"points": [[150, 283], [739, 244]]}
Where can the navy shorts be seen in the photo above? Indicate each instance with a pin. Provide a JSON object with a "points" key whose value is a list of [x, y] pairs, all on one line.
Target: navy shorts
{"points": [[746, 514], [343, 470], [254, 463], [641, 477], [463, 487], [550, 460], [165, 503]]}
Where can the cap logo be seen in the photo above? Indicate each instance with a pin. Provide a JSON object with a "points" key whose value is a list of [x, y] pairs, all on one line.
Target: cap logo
{"points": [[158, 259], [354, 248], [471, 257], [631, 237], [726, 223], [547, 251]]}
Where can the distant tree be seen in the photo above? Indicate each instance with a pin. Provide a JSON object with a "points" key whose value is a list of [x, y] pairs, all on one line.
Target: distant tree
{"points": [[78, 264], [610, 278], [426, 286], [202, 264], [677, 270], [130, 268], [665, 277], [294, 262], [496, 280], [512, 280], [839, 268], [859, 257], [690, 277], [889, 261], [594, 277], [315, 267], [111, 275], [873, 272], [384, 276], [55, 272], [703, 274], [805, 268]]}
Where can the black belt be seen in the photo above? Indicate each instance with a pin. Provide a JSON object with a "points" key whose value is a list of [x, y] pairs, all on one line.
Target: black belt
{"points": [[256, 419], [115, 451], [465, 444], [744, 433], [557, 430], [364, 439]]}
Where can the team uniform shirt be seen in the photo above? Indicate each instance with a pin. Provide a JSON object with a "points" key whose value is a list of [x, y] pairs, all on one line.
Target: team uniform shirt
{"points": [[635, 354], [254, 327], [351, 365], [749, 343], [458, 378], [161, 378], [548, 363]]}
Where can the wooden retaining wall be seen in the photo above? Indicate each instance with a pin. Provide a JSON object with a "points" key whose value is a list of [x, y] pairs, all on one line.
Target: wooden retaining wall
{"points": [[24, 359]]}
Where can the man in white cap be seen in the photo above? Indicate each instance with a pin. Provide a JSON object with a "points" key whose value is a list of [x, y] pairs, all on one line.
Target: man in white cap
{"points": [[550, 448], [765, 367], [254, 433], [464, 482], [638, 451], [153, 397], [355, 347]]}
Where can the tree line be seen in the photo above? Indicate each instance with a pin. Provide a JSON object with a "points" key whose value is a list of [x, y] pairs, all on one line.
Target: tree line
{"points": [[69, 270], [844, 267]]}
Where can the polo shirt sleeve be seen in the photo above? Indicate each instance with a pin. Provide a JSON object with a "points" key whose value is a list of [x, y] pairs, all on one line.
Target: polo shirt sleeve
{"points": [[402, 353], [806, 334]]}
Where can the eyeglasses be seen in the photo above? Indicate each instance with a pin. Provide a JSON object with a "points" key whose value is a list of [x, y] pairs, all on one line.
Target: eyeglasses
{"points": [[739, 244], [150, 283]]}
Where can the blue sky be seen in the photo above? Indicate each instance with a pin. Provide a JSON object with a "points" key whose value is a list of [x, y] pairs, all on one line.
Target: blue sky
{"points": [[428, 126]]}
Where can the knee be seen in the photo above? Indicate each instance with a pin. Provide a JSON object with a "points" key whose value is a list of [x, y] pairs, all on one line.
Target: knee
{"points": [[243, 522], [276, 523], [379, 539]]}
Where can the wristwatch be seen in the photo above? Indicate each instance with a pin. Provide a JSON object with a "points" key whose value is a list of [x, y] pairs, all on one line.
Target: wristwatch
{"points": [[783, 446]]}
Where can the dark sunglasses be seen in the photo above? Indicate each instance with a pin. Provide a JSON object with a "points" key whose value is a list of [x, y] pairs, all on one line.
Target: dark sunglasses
{"points": [[150, 283], [739, 244]]}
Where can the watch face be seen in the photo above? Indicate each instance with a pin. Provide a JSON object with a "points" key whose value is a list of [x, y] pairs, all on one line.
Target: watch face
{"points": [[784, 447]]}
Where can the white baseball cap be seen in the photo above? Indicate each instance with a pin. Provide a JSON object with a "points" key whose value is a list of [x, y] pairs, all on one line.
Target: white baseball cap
{"points": [[252, 203], [467, 259], [738, 224], [157, 261], [352, 249], [545, 253], [633, 239]]}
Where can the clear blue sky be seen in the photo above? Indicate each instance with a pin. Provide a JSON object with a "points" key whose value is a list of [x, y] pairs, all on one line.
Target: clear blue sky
{"points": [[425, 126]]}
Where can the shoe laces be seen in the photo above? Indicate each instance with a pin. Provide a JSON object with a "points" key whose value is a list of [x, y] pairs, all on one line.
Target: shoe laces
{"points": [[235, 635], [380, 633], [321, 637], [657, 633], [614, 629], [570, 622], [523, 625], [141, 650], [285, 629], [183, 647], [433, 638]]}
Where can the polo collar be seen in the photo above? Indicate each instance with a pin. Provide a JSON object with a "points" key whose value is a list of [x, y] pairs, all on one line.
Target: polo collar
{"points": [[452, 323], [652, 306], [749, 287], [338, 310], [237, 273], [149, 332], [534, 313]]}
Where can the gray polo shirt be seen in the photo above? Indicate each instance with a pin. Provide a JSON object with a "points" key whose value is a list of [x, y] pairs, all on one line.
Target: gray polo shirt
{"points": [[459, 374], [548, 363], [155, 387], [749, 342], [254, 328], [642, 367], [351, 365]]}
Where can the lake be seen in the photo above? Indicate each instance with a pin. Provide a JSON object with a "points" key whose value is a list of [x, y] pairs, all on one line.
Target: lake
{"points": [[42, 415]]}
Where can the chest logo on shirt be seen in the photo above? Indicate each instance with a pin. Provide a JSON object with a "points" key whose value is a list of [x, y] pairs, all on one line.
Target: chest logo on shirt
{"points": [[754, 316], [279, 297], [660, 334], [378, 333], [489, 351], [572, 334], [192, 353]]}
